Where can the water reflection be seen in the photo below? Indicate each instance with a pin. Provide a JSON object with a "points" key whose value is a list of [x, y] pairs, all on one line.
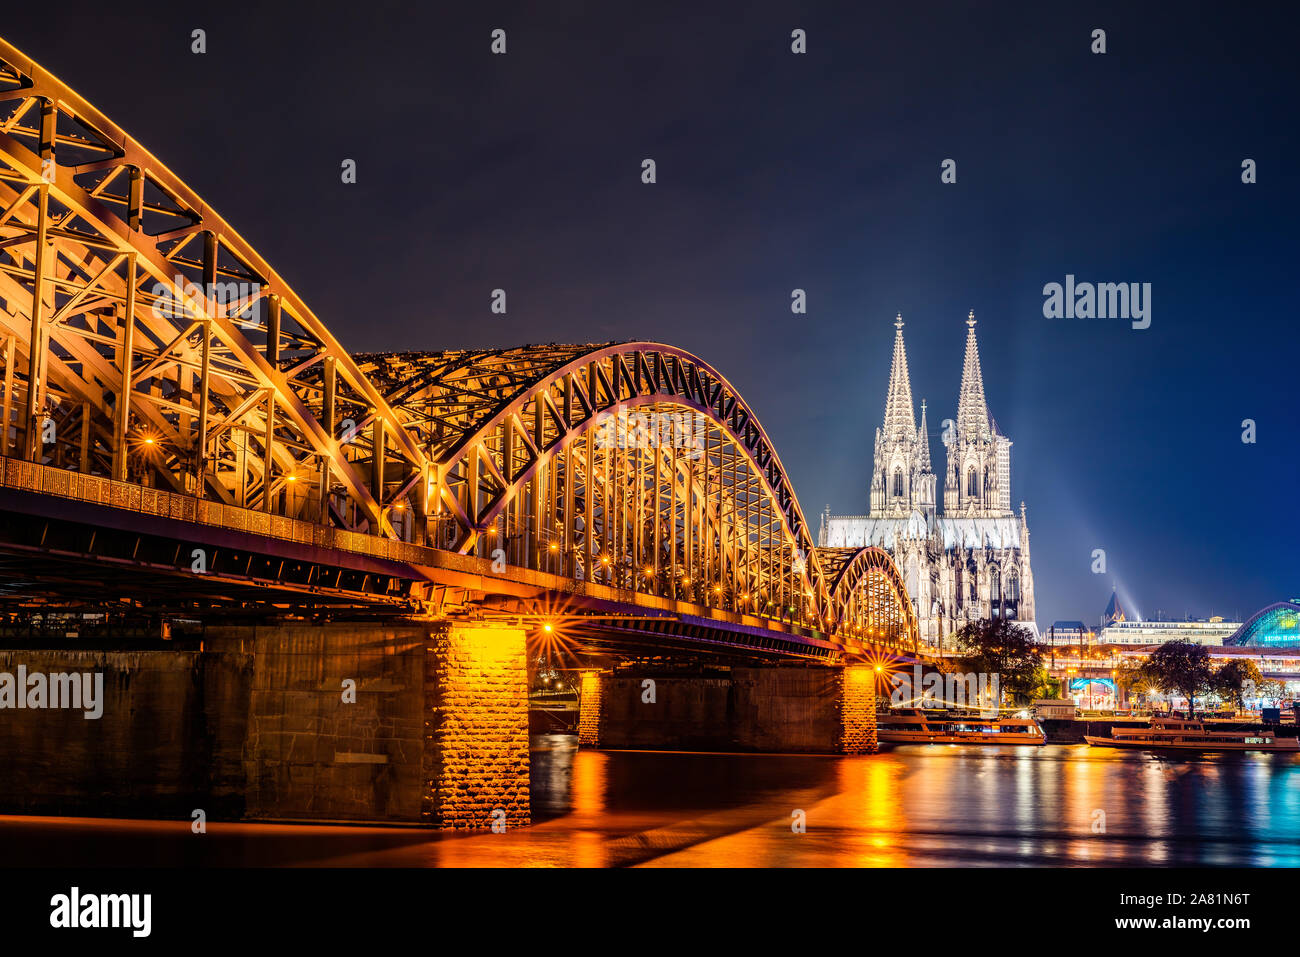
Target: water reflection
{"points": [[912, 806], [908, 806], [947, 805]]}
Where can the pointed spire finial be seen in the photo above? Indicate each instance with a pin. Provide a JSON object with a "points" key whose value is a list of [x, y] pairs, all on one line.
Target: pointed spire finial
{"points": [[972, 410], [923, 440], [900, 420]]}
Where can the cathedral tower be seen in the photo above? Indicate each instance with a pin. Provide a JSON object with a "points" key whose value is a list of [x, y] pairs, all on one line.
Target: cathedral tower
{"points": [[972, 561], [901, 478], [977, 479]]}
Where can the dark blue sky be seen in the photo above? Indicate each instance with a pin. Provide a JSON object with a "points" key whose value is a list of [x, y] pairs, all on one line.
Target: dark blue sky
{"points": [[778, 171]]}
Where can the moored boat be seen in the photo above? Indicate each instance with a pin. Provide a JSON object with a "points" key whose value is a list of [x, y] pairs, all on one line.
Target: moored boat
{"points": [[918, 727], [1184, 735]]}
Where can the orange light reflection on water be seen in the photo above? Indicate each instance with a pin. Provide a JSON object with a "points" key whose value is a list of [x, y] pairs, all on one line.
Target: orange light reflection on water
{"points": [[871, 797]]}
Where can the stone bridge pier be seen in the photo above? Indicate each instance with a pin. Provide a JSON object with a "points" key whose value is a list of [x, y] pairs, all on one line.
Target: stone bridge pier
{"points": [[762, 708], [404, 721], [476, 727], [437, 732]]}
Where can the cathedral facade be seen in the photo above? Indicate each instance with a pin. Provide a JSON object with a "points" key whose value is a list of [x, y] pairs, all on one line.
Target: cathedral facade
{"points": [[972, 560]]}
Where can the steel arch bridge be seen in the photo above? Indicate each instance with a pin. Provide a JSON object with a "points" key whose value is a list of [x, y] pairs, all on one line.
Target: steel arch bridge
{"points": [[151, 351]]}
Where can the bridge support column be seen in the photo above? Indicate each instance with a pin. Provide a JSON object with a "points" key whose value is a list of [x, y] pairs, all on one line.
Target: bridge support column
{"points": [[756, 708], [857, 695], [590, 696], [476, 726]]}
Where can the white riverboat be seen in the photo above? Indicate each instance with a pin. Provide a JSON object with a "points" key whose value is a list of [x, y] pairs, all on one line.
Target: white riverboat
{"points": [[918, 727], [1183, 735]]}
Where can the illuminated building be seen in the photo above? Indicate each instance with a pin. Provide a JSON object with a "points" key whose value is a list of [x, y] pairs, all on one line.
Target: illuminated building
{"points": [[971, 562], [1212, 631], [1070, 633], [1119, 628], [1276, 625]]}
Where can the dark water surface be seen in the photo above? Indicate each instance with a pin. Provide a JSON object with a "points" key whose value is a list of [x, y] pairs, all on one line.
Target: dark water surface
{"points": [[912, 805]]}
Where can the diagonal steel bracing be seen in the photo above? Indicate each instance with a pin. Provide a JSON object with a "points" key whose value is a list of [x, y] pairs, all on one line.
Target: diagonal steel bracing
{"points": [[147, 343]]}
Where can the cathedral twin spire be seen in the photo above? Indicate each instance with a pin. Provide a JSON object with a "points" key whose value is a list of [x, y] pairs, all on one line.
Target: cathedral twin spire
{"points": [[973, 560], [903, 478], [900, 419], [978, 476], [972, 409]]}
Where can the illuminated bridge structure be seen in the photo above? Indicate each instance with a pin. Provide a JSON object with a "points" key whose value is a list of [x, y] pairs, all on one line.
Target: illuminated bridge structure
{"points": [[155, 363], [184, 442]]}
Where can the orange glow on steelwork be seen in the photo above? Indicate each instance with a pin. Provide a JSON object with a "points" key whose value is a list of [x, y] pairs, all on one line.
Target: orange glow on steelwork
{"points": [[440, 422]]}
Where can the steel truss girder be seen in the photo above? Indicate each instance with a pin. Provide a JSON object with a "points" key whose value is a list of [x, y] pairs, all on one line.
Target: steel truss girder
{"points": [[870, 596], [90, 222], [494, 420]]}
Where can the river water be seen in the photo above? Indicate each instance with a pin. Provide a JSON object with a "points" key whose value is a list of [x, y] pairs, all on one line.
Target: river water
{"points": [[914, 805], [908, 806]]}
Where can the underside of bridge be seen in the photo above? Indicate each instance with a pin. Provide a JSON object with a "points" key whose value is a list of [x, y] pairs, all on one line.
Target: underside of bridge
{"points": [[187, 451]]}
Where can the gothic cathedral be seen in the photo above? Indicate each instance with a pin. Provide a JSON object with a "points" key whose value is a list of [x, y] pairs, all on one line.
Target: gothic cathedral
{"points": [[971, 561]]}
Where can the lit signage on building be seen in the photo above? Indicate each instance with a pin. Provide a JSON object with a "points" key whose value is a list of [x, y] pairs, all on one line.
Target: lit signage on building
{"points": [[1096, 693]]}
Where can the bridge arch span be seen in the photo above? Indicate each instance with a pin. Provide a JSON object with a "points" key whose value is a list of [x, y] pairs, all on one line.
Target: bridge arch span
{"points": [[635, 464], [869, 598]]}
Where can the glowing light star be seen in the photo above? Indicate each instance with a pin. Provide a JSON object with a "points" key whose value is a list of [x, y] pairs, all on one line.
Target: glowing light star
{"points": [[554, 631]]}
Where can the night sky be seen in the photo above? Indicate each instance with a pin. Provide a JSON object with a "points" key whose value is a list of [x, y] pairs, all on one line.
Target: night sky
{"points": [[778, 171]]}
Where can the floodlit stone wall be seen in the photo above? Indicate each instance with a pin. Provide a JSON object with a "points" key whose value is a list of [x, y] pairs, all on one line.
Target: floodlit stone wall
{"points": [[406, 721], [476, 727]]}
